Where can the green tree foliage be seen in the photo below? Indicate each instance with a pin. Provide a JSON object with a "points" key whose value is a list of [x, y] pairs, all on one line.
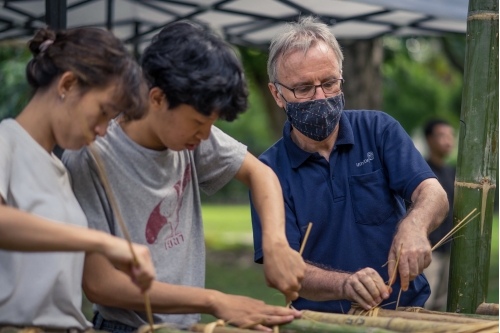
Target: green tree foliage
{"points": [[420, 82], [15, 91]]}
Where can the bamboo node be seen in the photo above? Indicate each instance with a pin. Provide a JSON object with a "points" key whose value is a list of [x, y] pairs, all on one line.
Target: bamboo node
{"points": [[483, 16]]}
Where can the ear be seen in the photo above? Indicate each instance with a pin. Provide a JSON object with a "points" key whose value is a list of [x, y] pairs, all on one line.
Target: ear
{"points": [[276, 95], [67, 82], [157, 99]]}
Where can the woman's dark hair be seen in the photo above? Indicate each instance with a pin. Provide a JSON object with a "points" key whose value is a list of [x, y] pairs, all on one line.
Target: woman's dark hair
{"points": [[96, 57], [193, 66]]}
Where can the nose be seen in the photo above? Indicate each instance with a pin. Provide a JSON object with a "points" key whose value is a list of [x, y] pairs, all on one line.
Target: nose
{"points": [[101, 128], [319, 93], [204, 132]]}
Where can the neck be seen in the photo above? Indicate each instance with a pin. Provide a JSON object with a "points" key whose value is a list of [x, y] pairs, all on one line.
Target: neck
{"points": [[436, 159], [324, 148], [36, 120], [140, 132]]}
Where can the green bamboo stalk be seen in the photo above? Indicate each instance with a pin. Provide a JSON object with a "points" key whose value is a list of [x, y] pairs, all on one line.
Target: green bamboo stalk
{"points": [[300, 325], [395, 324], [477, 163]]}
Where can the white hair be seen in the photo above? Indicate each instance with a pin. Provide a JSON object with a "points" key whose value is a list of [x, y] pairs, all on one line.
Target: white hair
{"points": [[301, 36]]}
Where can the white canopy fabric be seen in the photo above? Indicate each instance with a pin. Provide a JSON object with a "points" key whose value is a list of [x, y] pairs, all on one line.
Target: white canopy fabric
{"points": [[244, 22]]}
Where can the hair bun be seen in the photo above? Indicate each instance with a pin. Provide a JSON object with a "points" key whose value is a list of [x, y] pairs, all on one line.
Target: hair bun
{"points": [[43, 38]]}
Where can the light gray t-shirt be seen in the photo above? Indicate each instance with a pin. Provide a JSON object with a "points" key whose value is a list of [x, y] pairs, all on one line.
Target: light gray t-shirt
{"points": [[38, 289], [158, 197]]}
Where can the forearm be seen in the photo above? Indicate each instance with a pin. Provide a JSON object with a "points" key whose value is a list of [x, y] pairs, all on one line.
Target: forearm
{"points": [[322, 285], [429, 207], [22, 231], [267, 197], [105, 285]]}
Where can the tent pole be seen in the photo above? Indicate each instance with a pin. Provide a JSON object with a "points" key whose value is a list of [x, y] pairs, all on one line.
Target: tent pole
{"points": [[55, 14]]}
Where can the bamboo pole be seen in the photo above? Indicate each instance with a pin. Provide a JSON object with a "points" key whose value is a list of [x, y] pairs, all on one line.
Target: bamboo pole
{"points": [[477, 163], [452, 314], [220, 329], [309, 326], [395, 324], [490, 309], [299, 325], [440, 317], [158, 328]]}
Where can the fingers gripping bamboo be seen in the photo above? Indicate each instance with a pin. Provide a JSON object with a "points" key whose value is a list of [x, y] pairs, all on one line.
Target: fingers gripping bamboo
{"points": [[302, 246]]}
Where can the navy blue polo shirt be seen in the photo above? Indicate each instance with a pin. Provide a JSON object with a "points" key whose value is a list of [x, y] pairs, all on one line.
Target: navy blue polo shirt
{"points": [[354, 201]]}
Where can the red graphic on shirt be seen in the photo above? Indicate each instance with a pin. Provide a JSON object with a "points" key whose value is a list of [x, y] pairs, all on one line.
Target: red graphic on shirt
{"points": [[166, 213]]}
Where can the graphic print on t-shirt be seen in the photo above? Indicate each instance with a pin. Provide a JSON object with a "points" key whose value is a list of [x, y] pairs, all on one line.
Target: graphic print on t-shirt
{"points": [[166, 213]]}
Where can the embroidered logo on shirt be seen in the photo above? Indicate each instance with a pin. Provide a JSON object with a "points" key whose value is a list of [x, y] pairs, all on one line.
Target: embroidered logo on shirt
{"points": [[369, 157], [166, 213]]}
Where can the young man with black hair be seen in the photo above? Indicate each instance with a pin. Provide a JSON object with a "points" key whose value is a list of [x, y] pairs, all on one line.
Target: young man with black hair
{"points": [[155, 166]]}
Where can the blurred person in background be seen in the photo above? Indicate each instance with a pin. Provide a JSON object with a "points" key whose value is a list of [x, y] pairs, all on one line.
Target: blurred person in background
{"points": [[440, 138]]}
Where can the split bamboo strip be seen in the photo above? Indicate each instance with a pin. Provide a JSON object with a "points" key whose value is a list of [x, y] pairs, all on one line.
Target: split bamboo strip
{"points": [[252, 325], [300, 325], [487, 309], [158, 328], [309, 326], [417, 316], [201, 328], [395, 324], [459, 226], [101, 171], [114, 206], [486, 327], [302, 246], [453, 314]]}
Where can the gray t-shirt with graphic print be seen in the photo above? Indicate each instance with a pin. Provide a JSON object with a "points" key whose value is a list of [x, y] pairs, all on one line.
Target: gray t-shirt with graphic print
{"points": [[158, 197]]}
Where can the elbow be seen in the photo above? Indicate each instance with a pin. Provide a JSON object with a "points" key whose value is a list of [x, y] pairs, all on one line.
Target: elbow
{"points": [[92, 290]]}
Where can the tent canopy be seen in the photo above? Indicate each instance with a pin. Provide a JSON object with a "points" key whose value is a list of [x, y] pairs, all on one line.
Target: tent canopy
{"points": [[243, 22]]}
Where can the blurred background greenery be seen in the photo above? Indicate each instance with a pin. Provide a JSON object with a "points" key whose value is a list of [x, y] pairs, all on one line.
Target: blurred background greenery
{"points": [[419, 78]]}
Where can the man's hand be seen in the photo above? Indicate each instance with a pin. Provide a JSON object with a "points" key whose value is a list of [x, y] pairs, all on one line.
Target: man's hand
{"points": [[240, 310], [284, 268], [366, 287], [118, 253], [415, 253]]}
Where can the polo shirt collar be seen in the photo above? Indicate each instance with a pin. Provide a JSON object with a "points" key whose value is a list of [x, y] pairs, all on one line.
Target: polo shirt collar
{"points": [[298, 156]]}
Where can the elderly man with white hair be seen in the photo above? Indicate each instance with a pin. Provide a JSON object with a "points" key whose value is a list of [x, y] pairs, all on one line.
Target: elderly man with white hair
{"points": [[347, 172]]}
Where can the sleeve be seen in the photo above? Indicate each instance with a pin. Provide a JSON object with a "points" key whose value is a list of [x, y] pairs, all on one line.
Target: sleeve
{"points": [[217, 160], [405, 166], [5, 166], [88, 190]]}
